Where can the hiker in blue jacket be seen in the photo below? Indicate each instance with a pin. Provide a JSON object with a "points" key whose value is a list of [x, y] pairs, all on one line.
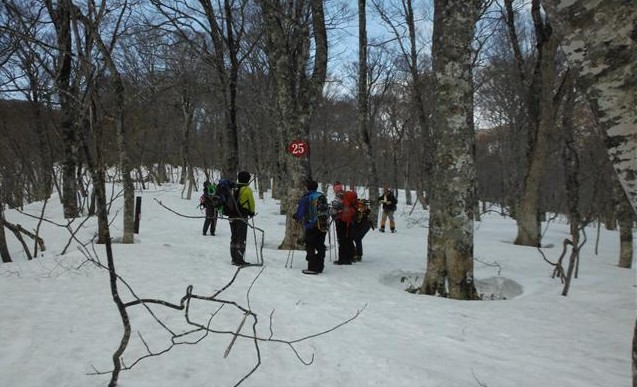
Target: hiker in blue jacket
{"points": [[314, 236]]}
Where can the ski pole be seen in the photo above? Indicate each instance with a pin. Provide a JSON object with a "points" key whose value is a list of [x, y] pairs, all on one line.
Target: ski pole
{"points": [[290, 258]]}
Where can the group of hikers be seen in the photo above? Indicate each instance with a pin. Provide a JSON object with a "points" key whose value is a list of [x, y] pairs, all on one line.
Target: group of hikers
{"points": [[349, 214]]}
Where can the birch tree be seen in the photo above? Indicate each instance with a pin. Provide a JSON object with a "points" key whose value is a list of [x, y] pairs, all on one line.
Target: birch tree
{"points": [[599, 37], [450, 242]]}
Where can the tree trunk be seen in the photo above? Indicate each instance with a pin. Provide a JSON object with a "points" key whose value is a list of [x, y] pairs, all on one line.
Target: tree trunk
{"points": [[418, 97], [606, 52], [288, 38], [599, 37], [635, 355], [4, 250], [364, 134], [450, 242], [542, 113], [61, 17], [125, 166], [187, 110], [626, 219]]}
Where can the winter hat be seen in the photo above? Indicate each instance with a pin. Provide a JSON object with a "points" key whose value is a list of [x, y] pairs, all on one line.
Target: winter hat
{"points": [[206, 183], [337, 187], [311, 185], [243, 177]]}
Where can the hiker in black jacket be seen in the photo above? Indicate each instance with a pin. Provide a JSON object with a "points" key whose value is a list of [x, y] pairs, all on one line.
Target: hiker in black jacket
{"points": [[211, 211]]}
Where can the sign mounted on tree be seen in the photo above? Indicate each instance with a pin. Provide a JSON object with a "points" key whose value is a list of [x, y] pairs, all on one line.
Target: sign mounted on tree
{"points": [[298, 148]]}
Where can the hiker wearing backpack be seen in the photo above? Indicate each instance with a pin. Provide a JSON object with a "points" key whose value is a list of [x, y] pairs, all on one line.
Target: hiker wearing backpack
{"points": [[360, 227], [211, 211], [389, 202], [344, 214], [313, 212], [245, 207]]}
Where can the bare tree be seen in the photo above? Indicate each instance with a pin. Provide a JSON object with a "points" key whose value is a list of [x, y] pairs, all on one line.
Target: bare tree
{"points": [[450, 242], [402, 23], [93, 20], [226, 26]]}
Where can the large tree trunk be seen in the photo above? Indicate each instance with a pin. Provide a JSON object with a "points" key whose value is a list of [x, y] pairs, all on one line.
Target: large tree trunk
{"points": [[542, 113], [599, 37], [450, 242], [289, 46]]}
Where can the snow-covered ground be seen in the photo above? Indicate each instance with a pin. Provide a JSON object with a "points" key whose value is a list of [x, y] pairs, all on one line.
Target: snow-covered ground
{"points": [[58, 323]]}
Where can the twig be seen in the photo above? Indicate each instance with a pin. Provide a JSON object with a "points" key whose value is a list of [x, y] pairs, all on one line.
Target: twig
{"points": [[234, 338]]}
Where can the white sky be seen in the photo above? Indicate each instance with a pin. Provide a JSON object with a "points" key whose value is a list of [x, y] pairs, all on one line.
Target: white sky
{"points": [[57, 319]]}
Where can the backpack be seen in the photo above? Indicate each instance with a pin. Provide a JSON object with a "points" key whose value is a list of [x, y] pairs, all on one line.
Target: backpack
{"points": [[363, 210], [350, 205], [225, 198], [319, 211], [206, 197]]}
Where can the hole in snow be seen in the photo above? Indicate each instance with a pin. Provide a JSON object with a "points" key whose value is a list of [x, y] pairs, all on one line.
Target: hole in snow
{"points": [[492, 288]]}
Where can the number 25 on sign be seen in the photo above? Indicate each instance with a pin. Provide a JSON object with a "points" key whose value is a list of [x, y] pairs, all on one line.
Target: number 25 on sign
{"points": [[298, 148]]}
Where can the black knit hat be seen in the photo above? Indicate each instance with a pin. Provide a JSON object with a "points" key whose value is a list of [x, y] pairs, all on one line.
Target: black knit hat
{"points": [[311, 185], [243, 177]]}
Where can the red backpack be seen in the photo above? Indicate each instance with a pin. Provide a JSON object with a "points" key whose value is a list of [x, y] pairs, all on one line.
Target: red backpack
{"points": [[350, 207]]}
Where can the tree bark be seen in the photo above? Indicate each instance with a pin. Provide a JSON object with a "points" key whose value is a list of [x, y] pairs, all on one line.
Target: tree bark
{"points": [[626, 219], [61, 16], [4, 250], [289, 42], [542, 114], [450, 242], [599, 37]]}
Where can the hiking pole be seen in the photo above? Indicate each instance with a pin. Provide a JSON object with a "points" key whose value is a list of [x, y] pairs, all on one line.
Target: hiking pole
{"points": [[290, 258]]}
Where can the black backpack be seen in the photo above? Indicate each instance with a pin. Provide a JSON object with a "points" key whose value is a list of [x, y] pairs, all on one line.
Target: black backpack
{"points": [[225, 198]]}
